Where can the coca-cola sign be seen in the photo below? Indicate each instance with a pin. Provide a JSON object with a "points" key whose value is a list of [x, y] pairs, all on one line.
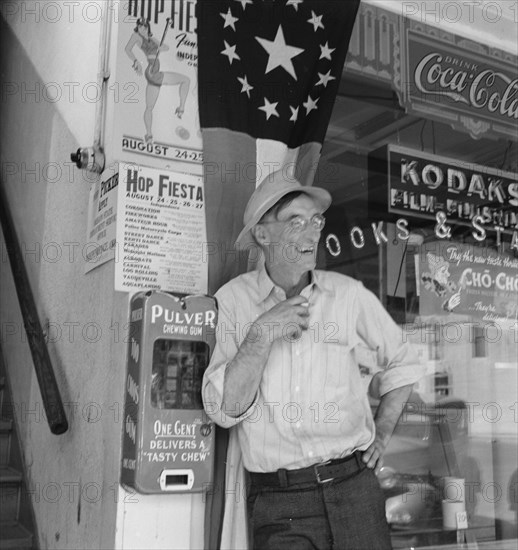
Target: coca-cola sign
{"points": [[459, 82]]}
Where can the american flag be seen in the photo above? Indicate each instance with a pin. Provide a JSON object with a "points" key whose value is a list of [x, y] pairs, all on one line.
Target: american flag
{"points": [[268, 73]]}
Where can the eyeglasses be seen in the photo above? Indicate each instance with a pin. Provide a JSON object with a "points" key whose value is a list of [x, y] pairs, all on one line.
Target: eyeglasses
{"points": [[297, 224]]}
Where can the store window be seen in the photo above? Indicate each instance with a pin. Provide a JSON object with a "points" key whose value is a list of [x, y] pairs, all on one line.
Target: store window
{"points": [[450, 470]]}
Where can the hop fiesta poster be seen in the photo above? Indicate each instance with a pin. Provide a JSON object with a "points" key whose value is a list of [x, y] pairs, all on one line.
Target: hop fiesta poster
{"points": [[469, 280]]}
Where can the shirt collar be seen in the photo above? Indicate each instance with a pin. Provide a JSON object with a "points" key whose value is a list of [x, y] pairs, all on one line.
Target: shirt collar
{"points": [[267, 286], [264, 283]]}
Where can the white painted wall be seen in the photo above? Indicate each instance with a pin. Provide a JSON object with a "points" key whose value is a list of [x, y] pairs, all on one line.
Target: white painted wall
{"points": [[72, 478], [70, 33], [49, 67]]}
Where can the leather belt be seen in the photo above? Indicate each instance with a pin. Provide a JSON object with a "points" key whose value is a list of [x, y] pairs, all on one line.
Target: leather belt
{"points": [[320, 473]]}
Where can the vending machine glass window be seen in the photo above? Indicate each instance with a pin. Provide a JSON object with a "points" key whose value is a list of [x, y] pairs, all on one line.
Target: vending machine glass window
{"points": [[177, 373]]}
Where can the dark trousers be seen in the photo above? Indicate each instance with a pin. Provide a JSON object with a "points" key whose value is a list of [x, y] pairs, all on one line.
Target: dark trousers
{"points": [[343, 514]]}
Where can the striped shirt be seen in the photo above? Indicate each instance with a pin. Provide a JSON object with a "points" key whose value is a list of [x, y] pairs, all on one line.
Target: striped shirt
{"points": [[312, 403]]}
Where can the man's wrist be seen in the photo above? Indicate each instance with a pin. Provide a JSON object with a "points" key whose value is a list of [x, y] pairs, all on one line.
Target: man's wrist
{"points": [[259, 335]]}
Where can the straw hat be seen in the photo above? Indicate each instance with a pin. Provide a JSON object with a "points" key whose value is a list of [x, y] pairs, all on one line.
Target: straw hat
{"points": [[268, 193]]}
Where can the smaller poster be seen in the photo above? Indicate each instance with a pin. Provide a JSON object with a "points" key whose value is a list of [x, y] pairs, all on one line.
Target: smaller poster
{"points": [[468, 280], [102, 217], [155, 87], [160, 231]]}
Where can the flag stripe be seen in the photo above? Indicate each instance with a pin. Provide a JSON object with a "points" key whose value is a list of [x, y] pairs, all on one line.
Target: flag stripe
{"points": [[229, 174], [234, 164], [298, 162]]}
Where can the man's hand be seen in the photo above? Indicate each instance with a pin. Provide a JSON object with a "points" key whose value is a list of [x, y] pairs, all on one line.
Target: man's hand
{"points": [[243, 374], [388, 413], [286, 319], [373, 455]]}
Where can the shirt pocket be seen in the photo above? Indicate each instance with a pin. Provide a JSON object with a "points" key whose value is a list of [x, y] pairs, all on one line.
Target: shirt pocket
{"points": [[339, 366]]}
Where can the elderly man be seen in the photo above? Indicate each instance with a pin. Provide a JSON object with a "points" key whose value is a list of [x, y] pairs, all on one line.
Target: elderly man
{"points": [[284, 375]]}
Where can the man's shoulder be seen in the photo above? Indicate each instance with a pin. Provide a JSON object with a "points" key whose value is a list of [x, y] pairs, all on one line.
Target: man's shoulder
{"points": [[335, 280], [239, 283]]}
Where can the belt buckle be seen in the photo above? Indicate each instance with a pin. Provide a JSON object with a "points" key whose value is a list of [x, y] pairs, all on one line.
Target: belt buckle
{"points": [[317, 473]]}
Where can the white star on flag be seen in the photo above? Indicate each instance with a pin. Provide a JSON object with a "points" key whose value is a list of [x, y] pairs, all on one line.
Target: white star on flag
{"points": [[280, 54], [269, 108], [316, 21], [326, 51], [244, 3], [230, 52], [229, 19], [325, 78], [310, 104], [294, 114], [294, 3], [246, 87]]}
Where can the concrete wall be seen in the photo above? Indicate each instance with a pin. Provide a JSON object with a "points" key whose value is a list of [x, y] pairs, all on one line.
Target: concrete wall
{"points": [[47, 58], [50, 60]]}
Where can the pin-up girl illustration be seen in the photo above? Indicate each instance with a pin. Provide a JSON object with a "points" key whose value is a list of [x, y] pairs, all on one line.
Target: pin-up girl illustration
{"points": [[437, 280], [151, 48]]}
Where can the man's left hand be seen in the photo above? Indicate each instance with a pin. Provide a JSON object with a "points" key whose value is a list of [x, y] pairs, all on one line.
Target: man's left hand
{"points": [[389, 409], [373, 455]]}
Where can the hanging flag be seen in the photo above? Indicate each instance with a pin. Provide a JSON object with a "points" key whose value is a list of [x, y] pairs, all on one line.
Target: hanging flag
{"points": [[268, 74]]}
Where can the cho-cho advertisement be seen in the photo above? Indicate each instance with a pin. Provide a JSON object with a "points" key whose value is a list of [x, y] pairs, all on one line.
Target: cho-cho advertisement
{"points": [[474, 281], [155, 87]]}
